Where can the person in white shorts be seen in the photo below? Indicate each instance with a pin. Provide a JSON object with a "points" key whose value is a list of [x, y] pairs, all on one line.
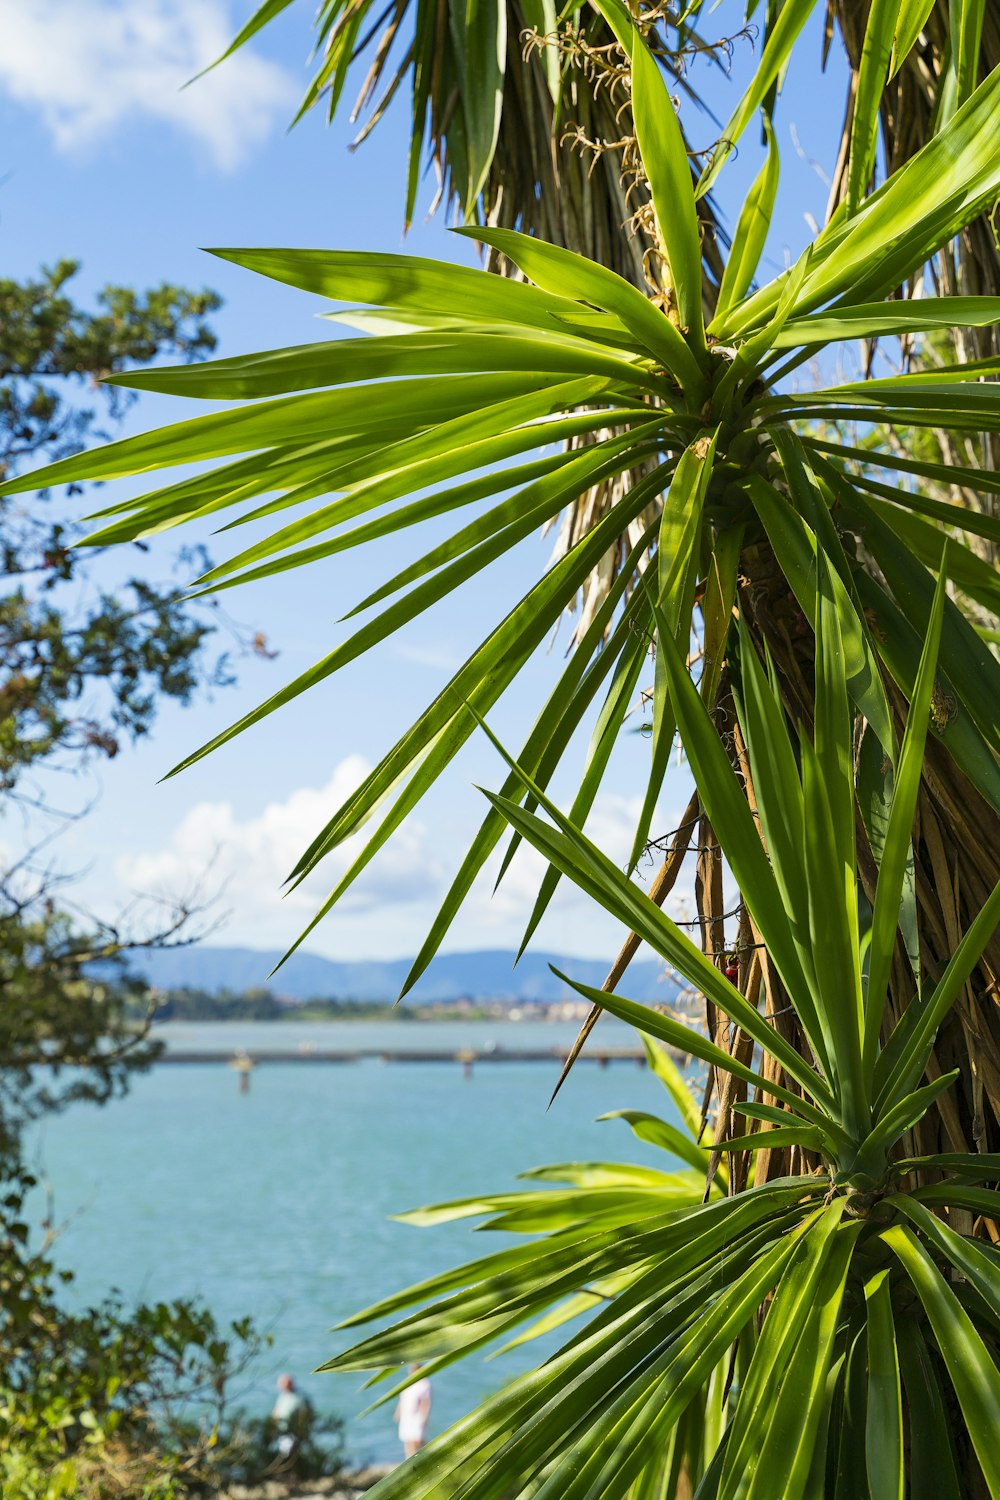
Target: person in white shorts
{"points": [[413, 1413]]}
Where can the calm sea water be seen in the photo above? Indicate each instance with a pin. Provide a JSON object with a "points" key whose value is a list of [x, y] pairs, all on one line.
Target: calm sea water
{"points": [[277, 1203]]}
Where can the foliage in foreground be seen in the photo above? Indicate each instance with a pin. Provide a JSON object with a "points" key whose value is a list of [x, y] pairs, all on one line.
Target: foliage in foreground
{"points": [[118, 1401], [107, 1401], [833, 1300]]}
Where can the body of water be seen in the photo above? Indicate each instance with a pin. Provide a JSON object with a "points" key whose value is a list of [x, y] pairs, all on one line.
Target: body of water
{"points": [[373, 1036], [277, 1203]]}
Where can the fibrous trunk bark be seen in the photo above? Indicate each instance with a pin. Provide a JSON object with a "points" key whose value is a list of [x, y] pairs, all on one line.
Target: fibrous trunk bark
{"points": [[956, 844]]}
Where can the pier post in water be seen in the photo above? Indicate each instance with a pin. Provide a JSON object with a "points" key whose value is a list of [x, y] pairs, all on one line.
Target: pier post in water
{"points": [[244, 1065]]}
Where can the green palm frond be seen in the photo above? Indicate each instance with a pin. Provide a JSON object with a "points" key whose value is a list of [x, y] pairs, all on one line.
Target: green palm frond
{"points": [[828, 1289]]}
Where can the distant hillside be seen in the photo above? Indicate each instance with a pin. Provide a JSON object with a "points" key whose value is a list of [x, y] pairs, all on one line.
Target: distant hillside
{"points": [[486, 975]]}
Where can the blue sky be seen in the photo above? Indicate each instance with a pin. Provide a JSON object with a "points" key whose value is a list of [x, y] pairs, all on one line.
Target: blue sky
{"points": [[108, 161]]}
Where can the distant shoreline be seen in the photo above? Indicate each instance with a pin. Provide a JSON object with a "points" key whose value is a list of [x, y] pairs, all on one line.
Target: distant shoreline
{"points": [[199, 1007], [384, 1014], [481, 976]]}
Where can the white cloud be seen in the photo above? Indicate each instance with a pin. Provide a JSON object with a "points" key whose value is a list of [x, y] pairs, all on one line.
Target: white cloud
{"points": [[250, 858], [389, 910], [441, 659], [91, 67], [504, 912]]}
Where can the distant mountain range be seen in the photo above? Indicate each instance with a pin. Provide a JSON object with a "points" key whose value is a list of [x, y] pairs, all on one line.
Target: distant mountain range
{"points": [[488, 974]]}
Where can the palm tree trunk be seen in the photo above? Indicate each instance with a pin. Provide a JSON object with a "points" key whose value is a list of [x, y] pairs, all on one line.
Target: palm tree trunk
{"points": [[957, 864]]}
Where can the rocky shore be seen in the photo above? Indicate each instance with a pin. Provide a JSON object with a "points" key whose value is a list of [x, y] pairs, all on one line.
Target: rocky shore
{"points": [[346, 1486]]}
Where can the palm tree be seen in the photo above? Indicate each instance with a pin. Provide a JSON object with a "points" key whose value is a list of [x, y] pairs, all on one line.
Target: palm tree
{"points": [[743, 499], [494, 114], [515, 107], [537, 137]]}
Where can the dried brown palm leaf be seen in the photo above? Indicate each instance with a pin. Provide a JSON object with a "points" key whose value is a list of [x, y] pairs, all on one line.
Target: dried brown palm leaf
{"points": [[910, 109], [663, 884]]}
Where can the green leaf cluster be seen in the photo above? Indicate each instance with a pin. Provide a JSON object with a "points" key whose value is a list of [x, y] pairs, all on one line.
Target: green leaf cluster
{"points": [[849, 1301], [82, 667], [111, 1399]]}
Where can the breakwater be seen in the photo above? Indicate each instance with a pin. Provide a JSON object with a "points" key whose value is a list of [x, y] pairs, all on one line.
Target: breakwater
{"points": [[464, 1055]]}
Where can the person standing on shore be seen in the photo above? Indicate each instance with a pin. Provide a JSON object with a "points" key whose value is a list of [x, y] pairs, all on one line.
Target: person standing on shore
{"points": [[413, 1411], [291, 1418]]}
